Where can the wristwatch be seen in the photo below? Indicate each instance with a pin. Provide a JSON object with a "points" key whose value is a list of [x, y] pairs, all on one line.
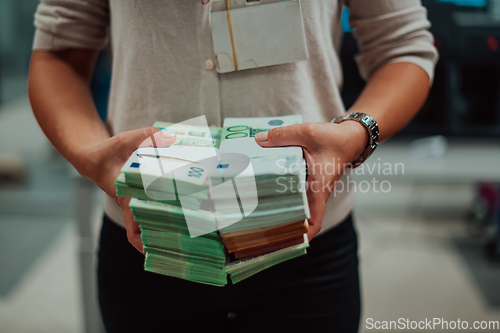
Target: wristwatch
{"points": [[371, 126]]}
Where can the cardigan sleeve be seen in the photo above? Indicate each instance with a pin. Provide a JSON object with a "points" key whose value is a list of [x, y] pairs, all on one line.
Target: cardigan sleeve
{"points": [[62, 24], [389, 31]]}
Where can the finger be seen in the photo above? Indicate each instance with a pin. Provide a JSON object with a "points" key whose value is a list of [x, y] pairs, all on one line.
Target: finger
{"points": [[317, 203], [164, 138], [133, 230], [293, 135], [136, 242], [140, 137], [159, 139], [145, 137], [315, 222]]}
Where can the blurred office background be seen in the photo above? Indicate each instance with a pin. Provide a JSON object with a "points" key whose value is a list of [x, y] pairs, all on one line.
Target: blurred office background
{"points": [[429, 247]]}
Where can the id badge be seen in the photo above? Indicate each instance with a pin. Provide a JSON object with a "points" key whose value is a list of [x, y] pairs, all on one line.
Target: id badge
{"points": [[257, 33]]}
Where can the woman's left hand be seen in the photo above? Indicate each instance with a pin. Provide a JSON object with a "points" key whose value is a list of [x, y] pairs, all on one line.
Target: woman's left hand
{"points": [[328, 150]]}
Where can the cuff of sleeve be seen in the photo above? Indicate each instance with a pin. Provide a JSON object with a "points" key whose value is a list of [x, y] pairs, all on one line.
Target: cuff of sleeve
{"points": [[44, 40], [426, 64]]}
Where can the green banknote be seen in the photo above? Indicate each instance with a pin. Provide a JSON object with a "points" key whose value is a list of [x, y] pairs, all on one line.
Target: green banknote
{"points": [[192, 135], [170, 186], [235, 128]]}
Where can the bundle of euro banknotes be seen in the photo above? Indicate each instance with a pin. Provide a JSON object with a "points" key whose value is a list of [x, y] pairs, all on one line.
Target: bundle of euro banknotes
{"points": [[215, 205]]}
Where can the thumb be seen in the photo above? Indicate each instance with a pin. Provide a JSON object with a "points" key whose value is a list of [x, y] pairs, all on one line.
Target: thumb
{"points": [[293, 135], [147, 137], [158, 138]]}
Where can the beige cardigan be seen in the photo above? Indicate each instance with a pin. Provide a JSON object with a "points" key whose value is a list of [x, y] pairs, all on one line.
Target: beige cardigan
{"points": [[161, 49]]}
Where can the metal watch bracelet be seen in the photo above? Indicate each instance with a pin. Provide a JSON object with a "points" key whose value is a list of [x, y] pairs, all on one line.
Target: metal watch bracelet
{"points": [[371, 126]]}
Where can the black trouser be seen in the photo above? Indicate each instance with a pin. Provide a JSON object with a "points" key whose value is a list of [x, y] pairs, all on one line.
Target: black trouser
{"points": [[317, 292]]}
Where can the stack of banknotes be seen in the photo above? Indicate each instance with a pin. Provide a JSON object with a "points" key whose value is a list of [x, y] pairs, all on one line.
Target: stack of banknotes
{"points": [[215, 204]]}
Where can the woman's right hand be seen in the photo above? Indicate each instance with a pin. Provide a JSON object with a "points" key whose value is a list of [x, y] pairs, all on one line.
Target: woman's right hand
{"points": [[102, 164]]}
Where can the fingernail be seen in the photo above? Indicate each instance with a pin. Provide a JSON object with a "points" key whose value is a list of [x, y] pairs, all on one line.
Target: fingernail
{"points": [[168, 134], [261, 136]]}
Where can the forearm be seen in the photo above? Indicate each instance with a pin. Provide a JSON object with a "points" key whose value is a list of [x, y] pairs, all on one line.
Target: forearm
{"points": [[62, 103], [393, 96]]}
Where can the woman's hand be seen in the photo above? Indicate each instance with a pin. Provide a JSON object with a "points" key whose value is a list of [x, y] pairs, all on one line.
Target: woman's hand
{"points": [[102, 164], [63, 105], [328, 150]]}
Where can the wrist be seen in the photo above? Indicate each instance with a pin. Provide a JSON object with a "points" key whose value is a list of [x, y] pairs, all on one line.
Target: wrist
{"points": [[85, 163], [357, 139], [94, 163], [99, 167]]}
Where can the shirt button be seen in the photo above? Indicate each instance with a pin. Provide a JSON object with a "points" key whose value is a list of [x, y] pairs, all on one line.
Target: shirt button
{"points": [[209, 65], [205, 1], [231, 315]]}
